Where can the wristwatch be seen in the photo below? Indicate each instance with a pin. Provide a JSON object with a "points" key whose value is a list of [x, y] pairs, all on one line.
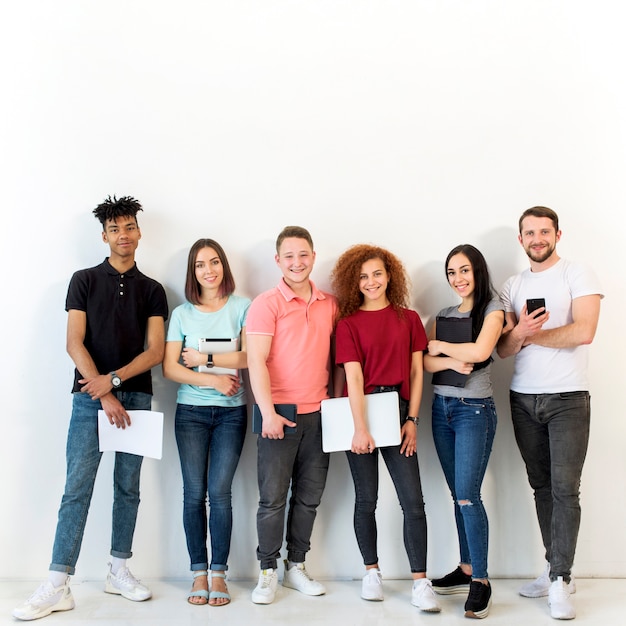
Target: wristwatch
{"points": [[209, 360], [415, 420], [116, 381]]}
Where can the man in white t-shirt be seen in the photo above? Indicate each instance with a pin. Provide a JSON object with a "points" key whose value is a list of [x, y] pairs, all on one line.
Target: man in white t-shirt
{"points": [[549, 395]]}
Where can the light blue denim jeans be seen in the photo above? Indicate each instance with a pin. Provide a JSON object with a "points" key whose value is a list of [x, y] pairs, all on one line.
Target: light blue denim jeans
{"points": [[463, 431], [552, 433], [210, 440], [83, 458]]}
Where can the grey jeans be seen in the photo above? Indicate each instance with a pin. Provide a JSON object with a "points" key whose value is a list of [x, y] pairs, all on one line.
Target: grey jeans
{"points": [[296, 461], [552, 433]]}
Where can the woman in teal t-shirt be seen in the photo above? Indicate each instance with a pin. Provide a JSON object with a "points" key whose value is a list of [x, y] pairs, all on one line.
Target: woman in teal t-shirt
{"points": [[211, 417]]}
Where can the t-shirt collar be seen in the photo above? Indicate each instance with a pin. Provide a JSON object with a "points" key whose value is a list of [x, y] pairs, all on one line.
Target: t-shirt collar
{"points": [[109, 269], [288, 293]]}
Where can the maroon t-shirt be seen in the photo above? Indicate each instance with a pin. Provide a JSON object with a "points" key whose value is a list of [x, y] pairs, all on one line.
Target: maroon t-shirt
{"points": [[383, 342]]}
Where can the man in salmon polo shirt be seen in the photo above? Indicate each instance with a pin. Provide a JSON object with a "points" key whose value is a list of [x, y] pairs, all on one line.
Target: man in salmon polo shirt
{"points": [[289, 331]]}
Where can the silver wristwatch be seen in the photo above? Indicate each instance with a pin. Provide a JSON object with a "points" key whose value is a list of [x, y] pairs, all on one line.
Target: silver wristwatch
{"points": [[116, 381]]}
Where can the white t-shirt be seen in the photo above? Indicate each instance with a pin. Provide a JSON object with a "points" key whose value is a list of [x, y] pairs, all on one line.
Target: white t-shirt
{"points": [[551, 370]]}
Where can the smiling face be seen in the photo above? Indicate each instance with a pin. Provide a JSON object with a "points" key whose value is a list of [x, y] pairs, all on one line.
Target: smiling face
{"points": [[209, 269], [373, 281], [461, 276], [123, 235], [296, 259], [539, 237]]}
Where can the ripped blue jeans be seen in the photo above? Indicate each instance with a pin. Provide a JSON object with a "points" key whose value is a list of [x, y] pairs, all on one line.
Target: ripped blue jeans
{"points": [[463, 431]]}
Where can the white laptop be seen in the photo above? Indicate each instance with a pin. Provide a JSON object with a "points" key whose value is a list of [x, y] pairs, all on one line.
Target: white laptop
{"points": [[382, 414], [215, 346]]}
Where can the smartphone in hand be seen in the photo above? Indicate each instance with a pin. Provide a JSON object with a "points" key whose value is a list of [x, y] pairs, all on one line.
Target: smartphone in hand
{"points": [[532, 304]]}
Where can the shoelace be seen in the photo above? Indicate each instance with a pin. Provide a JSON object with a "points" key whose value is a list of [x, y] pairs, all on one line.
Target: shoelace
{"points": [[43, 592], [124, 576], [423, 586], [560, 594], [475, 591], [302, 572], [265, 582]]}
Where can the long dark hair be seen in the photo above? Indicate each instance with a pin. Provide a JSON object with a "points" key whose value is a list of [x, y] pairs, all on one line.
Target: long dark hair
{"points": [[483, 287]]}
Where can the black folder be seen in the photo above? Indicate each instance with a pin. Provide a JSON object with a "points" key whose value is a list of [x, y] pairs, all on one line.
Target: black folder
{"points": [[290, 411], [452, 330]]}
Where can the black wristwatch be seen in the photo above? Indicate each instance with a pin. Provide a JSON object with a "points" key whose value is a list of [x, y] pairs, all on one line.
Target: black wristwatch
{"points": [[209, 360], [415, 420], [116, 381]]}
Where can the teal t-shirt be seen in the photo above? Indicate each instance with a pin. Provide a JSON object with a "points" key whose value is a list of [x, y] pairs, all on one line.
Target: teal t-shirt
{"points": [[188, 325]]}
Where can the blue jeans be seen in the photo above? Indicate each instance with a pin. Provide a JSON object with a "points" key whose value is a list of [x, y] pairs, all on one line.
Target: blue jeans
{"points": [[463, 431], [210, 440], [405, 473], [83, 458], [552, 433], [298, 460]]}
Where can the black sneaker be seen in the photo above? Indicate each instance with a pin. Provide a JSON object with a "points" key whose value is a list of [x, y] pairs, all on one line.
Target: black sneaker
{"points": [[454, 582], [478, 601]]}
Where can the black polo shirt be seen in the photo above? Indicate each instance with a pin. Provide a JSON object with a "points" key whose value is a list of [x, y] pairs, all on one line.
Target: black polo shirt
{"points": [[118, 307]]}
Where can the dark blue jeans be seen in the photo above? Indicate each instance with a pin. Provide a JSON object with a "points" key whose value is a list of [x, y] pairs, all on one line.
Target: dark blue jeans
{"points": [[552, 433], [296, 460], [405, 474], [210, 440], [463, 431], [83, 458]]}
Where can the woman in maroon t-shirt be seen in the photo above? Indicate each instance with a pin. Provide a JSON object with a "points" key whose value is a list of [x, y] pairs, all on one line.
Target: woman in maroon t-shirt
{"points": [[380, 343]]}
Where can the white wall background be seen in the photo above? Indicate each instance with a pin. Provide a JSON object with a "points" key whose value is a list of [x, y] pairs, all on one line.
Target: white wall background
{"points": [[412, 124]]}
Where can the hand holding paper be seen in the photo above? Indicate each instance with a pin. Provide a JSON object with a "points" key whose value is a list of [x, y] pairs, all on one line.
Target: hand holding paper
{"points": [[144, 437]]}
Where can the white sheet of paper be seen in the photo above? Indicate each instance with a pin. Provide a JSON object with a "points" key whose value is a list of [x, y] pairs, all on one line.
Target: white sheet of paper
{"points": [[143, 437]]}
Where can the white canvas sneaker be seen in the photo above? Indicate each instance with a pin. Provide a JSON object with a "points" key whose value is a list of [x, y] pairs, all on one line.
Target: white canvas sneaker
{"points": [[265, 591], [423, 596], [372, 586], [46, 600]]}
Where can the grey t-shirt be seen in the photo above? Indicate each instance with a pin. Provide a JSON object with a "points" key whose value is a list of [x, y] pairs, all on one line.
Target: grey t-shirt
{"points": [[478, 384]]}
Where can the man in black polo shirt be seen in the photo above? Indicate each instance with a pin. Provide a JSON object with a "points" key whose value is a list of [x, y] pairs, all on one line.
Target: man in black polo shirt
{"points": [[115, 335]]}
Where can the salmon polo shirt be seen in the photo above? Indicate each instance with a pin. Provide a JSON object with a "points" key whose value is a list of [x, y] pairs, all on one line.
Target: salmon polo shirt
{"points": [[299, 357]]}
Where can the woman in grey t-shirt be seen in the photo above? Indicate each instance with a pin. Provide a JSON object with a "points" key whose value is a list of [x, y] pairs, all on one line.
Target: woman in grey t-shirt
{"points": [[464, 415]]}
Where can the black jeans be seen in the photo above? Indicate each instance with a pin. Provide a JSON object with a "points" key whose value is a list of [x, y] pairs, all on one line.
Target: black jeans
{"points": [[552, 433], [405, 474]]}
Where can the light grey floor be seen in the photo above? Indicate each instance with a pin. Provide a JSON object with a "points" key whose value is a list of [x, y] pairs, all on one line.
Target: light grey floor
{"points": [[601, 602]]}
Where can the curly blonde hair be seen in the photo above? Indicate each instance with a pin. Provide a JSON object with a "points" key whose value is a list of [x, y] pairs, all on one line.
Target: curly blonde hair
{"points": [[345, 278]]}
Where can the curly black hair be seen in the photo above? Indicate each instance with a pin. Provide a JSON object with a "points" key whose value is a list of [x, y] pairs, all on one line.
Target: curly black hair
{"points": [[112, 208]]}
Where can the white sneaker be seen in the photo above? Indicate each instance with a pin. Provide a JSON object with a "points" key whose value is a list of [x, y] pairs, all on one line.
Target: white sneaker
{"points": [[559, 601], [265, 591], [125, 584], [372, 586], [296, 577], [540, 587], [45, 600], [423, 596]]}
